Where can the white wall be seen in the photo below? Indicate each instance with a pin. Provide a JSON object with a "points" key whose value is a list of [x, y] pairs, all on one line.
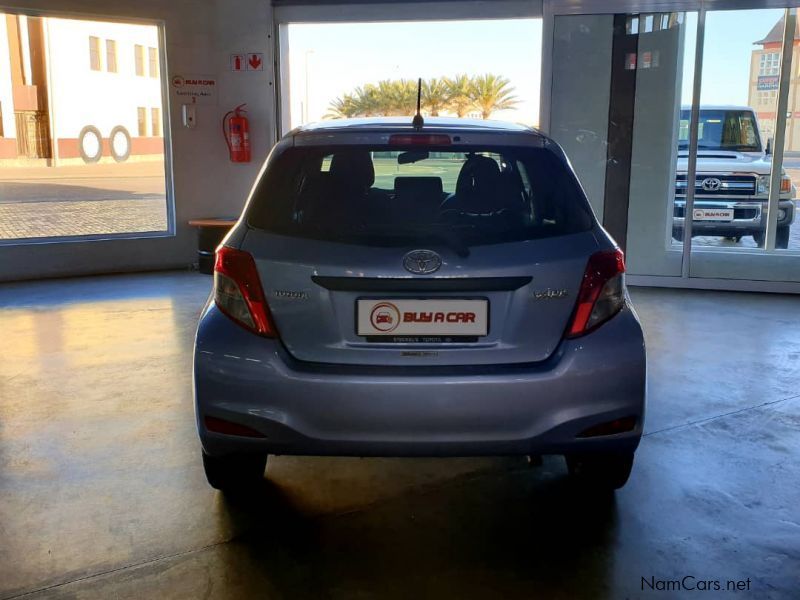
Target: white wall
{"points": [[199, 38]]}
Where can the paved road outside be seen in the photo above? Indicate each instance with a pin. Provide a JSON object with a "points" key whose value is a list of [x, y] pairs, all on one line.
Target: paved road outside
{"points": [[38, 202]]}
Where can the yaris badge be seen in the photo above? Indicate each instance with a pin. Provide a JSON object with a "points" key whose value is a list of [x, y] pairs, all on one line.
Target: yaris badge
{"points": [[422, 262]]}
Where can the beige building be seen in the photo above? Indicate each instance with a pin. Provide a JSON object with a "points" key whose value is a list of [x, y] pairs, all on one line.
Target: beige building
{"points": [[765, 64]]}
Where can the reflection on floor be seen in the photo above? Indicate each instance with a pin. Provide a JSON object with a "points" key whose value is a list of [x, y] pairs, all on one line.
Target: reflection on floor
{"points": [[102, 494]]}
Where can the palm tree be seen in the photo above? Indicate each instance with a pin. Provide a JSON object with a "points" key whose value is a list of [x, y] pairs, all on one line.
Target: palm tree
{"points": [[459, 93], [404, 97], [435, 95], [342, 108], [367, 101], [492, 92]]}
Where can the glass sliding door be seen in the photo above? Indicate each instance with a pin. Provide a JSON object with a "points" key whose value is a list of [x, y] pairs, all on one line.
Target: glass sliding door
{"points": [[684, 128], [618, 84], [745, 223]]}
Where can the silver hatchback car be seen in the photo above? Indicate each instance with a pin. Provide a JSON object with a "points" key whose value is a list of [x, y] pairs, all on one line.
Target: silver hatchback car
{"points": [[402, 292]]}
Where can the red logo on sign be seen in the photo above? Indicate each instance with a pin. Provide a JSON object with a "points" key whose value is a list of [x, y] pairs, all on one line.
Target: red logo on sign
{"points": [[385, 317]]}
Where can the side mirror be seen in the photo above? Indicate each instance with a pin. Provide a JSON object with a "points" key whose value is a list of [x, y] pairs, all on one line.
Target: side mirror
{"points": [[768, 151]]}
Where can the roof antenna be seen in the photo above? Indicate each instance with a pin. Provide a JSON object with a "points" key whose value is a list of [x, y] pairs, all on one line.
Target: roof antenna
{"points": [[418, 121]]}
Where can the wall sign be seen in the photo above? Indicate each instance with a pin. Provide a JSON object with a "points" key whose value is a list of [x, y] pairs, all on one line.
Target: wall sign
{"points": [[195, 89], [252, 61], [767, 82]]}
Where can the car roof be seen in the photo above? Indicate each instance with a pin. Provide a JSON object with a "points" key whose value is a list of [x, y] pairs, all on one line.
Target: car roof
{"points": [[403, 125]]}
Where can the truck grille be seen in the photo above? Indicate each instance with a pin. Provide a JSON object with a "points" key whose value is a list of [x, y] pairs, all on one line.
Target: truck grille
{"points": [[718, 185]]}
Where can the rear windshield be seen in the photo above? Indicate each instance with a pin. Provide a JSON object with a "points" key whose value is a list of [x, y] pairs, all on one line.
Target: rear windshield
{"points": [[734, 130], [387, 197]]}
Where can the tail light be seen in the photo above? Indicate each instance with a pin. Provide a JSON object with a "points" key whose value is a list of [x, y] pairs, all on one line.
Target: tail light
{"points": [[602, 292], [786, 184], [238, 292]]}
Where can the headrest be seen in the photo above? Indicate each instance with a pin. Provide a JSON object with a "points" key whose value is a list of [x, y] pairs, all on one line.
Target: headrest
{"points": [[479, 174], [353, 168]]}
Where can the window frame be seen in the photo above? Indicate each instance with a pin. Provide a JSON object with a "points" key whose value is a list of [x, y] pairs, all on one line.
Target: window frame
{"points": [[155, 121], [152, 62], [95, 59], [112, 65], [138, 60], [141, 120]]}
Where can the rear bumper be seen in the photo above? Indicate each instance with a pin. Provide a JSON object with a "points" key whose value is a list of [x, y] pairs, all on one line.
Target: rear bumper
{"points": [[303, 408]]}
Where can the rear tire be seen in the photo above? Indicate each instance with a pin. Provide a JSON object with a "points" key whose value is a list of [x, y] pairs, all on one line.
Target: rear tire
{"points": [[601, 471], [234, 471]]}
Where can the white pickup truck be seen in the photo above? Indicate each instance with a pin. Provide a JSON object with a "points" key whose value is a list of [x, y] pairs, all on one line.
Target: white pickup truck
{"points": [[732, 183]]}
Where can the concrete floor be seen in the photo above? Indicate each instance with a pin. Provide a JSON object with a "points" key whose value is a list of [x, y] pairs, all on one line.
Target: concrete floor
{"points": [[102, 494]]}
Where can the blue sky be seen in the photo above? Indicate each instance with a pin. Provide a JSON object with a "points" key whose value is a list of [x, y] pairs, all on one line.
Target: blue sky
{"points": [[728, 46], [343, 56]]}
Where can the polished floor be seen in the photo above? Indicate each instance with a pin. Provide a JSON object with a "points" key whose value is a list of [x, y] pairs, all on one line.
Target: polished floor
{"points": [[102, 494]]}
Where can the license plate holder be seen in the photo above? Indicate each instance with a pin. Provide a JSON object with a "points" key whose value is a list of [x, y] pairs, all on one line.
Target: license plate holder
{"points": [[712, 214], [422, 320]]}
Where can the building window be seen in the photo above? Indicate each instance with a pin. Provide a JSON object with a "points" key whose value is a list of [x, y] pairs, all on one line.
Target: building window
{"points": [[138, 54], [155, 121], [111, 56], [141, 114], [769, 63], [94, 53], [152, 55]]}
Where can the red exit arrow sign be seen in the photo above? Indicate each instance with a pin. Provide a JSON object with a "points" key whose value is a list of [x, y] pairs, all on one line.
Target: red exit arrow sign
{"points": [[255, 62]]}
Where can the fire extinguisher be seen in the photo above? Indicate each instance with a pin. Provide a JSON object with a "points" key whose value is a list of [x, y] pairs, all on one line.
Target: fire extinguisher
{"points": [[236, 129]]}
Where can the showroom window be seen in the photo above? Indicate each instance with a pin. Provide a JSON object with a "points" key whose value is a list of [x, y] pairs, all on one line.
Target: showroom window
{"points": [[501, 81], [77, 168], [709, 138]]}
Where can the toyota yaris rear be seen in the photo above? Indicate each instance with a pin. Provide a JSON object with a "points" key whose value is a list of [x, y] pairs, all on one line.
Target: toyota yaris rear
{"points": [[394, 292]]}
